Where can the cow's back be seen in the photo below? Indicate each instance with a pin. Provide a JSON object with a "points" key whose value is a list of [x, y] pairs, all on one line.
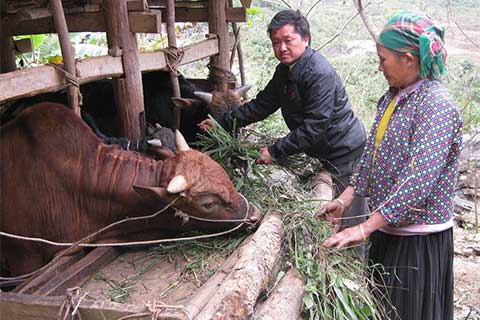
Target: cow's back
{"points": [[36, 147]]}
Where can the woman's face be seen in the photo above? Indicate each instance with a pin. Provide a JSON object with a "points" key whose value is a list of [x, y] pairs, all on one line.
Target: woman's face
{"points": [[400, 70]]}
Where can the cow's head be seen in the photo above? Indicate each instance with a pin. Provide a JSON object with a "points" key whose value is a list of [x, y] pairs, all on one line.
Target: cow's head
{"points": [[202, 189], [217, 102]]}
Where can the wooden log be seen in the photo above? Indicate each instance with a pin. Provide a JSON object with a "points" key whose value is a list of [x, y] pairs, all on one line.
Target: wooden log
{"points": [[323, 187], [68, 54], [129, 89], [79, 272], [286, 300], [209, 288], [236, 297], [172, 43], [34, 81], [139, 22], [58, 267]]}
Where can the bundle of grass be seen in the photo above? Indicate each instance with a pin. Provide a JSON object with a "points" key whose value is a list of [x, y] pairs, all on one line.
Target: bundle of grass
{"points": [[337, 282]]}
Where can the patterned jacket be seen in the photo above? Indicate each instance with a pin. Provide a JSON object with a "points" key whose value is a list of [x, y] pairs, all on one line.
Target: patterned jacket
{"points": [[416, 164]]}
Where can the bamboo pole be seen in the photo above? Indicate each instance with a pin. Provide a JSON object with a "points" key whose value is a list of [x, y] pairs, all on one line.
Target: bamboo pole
{"points": [[172, 43], [68, 54]]}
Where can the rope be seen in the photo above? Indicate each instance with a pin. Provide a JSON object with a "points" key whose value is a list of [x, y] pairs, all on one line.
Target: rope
{"points": [[173, 57], [72, 299], [72, 80], [219, 75], [155, 310]]}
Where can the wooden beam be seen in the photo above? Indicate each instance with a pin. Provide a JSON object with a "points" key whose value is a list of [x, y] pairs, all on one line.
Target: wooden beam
{"points": [[18, 306], [7, 53], [140, 21], [143, 22], [246, 3], [137, 5], [79, 272], [33, 81], [58, 267], [22, 46], [183, 14]]}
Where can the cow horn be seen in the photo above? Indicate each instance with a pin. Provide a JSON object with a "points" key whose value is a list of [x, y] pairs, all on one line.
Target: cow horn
{"points": [[205, 96], [177, 184], [242, 90], [181, 143], [155, 142]]}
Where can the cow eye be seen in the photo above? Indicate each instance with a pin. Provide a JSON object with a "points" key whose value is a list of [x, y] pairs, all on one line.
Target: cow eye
{"points": [[209, 205]]}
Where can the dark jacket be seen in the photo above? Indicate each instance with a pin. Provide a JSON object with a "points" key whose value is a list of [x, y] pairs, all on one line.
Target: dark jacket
{"points": [[315, 107]]}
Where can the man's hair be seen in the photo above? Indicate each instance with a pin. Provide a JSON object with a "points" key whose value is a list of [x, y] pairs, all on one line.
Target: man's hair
{"points": [[293, 17]]}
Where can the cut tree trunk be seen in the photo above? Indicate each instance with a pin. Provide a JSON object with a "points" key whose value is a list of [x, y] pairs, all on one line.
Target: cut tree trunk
{"points": [[236, 297], [285, 302]]}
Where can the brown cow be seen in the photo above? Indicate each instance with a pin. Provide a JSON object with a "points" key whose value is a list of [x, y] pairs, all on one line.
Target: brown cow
{"points": [[59, 182]]}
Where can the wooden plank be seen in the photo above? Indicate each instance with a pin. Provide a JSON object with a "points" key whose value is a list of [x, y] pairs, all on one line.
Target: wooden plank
{"points": [[79, 272], [33, 81], [22, 46], [83, 22], [137, 5], [29, 307], [58, 267], [184, 14], [246, 3]]}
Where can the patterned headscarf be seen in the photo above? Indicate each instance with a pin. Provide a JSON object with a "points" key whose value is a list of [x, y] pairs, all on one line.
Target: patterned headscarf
{"points": [[415, 32]]}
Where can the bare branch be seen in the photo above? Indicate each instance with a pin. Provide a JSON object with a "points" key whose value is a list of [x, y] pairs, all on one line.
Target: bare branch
{"points": [[312, 7], [366, 20], [476, 45]]}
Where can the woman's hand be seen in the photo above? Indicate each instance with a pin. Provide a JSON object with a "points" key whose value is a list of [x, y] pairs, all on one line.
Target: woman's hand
{"points": [[332, 212], [350, 235]]}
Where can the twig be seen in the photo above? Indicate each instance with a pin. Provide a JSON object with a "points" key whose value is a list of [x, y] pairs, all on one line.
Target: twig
{"points": [[338, 33], [312, 7], [476, 45]]}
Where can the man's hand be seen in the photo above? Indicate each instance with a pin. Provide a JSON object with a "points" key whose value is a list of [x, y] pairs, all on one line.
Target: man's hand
{"points": [[206, 125], [332, 212], [265, 158]]}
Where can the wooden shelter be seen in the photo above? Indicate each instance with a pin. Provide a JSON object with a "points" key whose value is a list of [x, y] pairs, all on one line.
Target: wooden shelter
{"points": [[121, 20], [233, 290]]}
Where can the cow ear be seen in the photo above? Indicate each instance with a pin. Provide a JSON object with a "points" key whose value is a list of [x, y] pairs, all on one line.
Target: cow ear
{"points": [[177, 184], [156, 192], [186, 103]]}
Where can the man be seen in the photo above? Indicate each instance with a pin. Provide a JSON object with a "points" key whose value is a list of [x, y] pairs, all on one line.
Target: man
{"points": [[314, 105]]}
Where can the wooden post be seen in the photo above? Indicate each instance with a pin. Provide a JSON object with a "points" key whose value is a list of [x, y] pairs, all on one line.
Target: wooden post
{"points": [[128, 89], [7, 54], [172, 43], [67, 53], [217, 24]]}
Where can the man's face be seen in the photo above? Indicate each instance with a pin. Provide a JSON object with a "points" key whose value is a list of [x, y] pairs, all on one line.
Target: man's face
{"points": [[288, 45]]}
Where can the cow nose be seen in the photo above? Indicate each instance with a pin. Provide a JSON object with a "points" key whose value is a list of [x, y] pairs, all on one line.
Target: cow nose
{"points": [[253, 214]]}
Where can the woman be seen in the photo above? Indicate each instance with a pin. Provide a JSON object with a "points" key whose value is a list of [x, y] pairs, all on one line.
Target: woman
{"points": [[409, 170]]}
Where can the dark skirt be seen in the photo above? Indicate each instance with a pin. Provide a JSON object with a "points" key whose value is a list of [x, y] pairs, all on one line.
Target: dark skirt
{"points": [[417, 274]]}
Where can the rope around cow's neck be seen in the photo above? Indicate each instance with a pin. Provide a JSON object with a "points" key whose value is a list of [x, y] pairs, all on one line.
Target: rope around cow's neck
{"points": [[6, 280]]}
